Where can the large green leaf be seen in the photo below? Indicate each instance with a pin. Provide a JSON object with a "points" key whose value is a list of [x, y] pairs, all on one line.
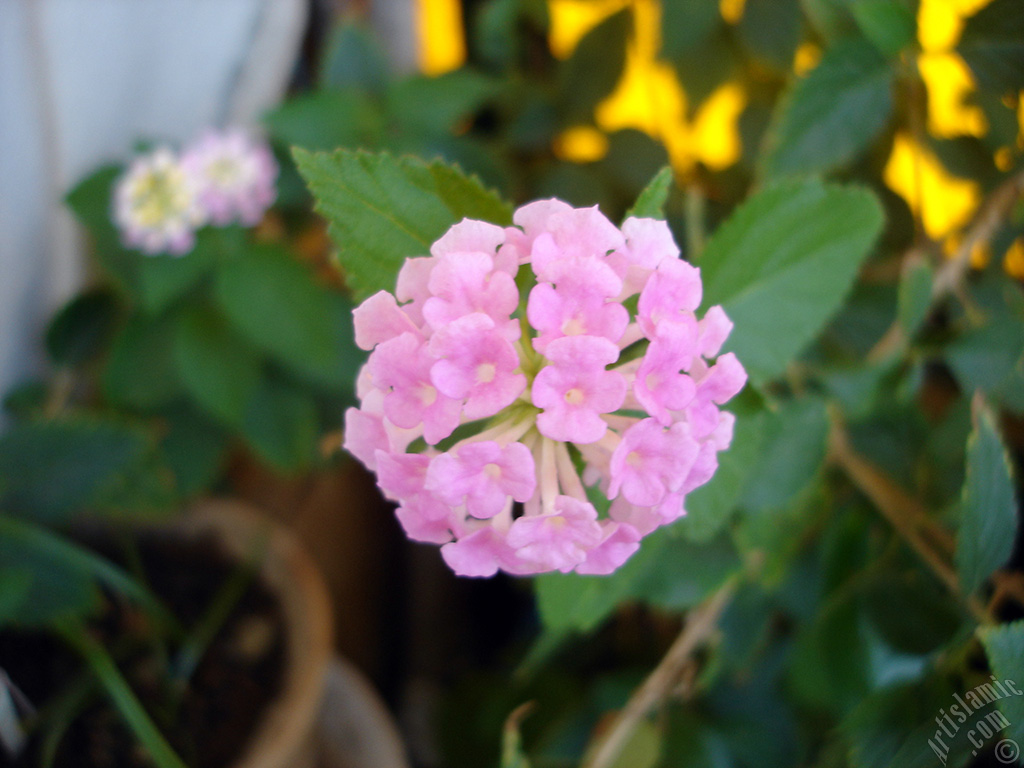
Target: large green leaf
{"points": [[435, 105], [325, 120], [216, 365], [383, 209], [140, 371], [985, 538], [277, 304], [1005, 648], [791, 453], [194, 446], [782, 264], [833, 113], [58, 469], [280, 424], [992, 44]]}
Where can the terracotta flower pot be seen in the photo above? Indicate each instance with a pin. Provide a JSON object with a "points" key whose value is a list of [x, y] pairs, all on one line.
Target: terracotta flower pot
{"points": [[287, 737]]}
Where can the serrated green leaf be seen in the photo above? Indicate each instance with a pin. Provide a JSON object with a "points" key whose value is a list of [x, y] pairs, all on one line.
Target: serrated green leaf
{"points": [[992, 44], [782, 264], [280, 424], [985, 538], [833, 113], [1004, 646], [276, 303], [915, 296], [216, 365], [82, 328], [383, 209], [651, 202]]}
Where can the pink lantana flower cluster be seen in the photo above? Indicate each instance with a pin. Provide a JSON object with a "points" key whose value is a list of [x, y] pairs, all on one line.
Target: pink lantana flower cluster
{"points": [[519, 375], [221, 178]]}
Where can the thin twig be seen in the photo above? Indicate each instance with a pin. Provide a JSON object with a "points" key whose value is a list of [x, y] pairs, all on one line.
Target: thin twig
{"points": [[950, 276], [904, 513], [660, 684]]}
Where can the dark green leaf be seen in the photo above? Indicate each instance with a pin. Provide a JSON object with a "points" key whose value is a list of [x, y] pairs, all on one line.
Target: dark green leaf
{"points": [[771, 31], [280, 424], [194, 448], [985, 538], [685, 24], [992, 44], [277, 304], [52, 470], [782, 264], [651, 202], [140, 371], [325, 120], [889, 24], [833, 113], [791, 453], [593, 70], [1005, 648], [435, 105], [353, 59], [82, 328], [217, 367], [165, 279], [383, 210]]}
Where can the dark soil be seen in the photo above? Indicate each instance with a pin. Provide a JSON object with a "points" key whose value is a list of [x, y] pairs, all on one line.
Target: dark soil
{"points": [[220, 708]]}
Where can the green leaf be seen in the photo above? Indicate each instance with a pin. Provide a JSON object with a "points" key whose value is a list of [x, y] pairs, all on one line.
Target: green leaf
{"points": [[280, 424], [140, 371], [782, 264], [383, 209], [59, 469], [889, 24], [163, 280], [915, 296], [82, 328], [353, 59], [832, 114], [277, 304], [15, 590], [666, 572], [771, 31], [62, 577], [194, 447], [217, 367], [985, 538], [1005, 648], [325, 120], [435, 105], [593, 69], [792, 451], [685, 24], [992, 44], [651, 202]]}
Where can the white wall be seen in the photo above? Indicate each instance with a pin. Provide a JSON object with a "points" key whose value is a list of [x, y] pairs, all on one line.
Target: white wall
{"points": [[80, 82]]}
